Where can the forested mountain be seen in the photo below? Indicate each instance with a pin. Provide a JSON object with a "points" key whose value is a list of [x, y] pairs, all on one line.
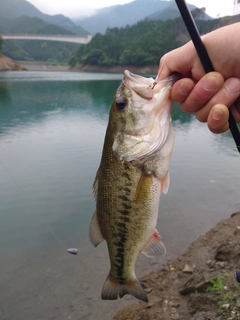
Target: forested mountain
{"points": [[41, 51], [131, 13], [19, 16], [35, 50], [32, 25], [12, 9], [142, 44]]}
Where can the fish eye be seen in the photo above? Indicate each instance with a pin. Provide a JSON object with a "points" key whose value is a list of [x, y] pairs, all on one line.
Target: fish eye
{"points": [[121, 103]]}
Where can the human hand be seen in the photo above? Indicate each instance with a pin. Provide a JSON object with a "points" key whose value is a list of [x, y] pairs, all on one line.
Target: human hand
{"points": [[209, 96], [209, 99]]}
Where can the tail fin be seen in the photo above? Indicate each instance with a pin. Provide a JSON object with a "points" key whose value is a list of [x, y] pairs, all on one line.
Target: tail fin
{"points": [[112, 290]]}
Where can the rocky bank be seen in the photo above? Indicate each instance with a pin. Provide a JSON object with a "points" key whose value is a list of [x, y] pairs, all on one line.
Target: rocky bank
{"points": [[200, 284], [7, 64]]}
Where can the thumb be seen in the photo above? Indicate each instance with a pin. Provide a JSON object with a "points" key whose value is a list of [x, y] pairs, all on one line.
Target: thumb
{"points": [[218, 119]]}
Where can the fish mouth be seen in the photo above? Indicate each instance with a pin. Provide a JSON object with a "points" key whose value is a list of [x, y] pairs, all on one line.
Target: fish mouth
{"points": [[146, 87], [140, 85], [137, 78]]}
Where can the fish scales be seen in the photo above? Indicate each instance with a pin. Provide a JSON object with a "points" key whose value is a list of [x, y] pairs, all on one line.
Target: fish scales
{"points": [[127, 189], [123, 217]]}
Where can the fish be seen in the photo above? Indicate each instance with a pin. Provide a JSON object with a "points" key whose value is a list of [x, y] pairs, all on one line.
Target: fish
{"points": [[133, 172]]}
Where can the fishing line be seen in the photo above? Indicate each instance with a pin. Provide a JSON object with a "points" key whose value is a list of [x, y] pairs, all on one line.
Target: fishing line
{"points": [[10, 174], [73, 251], [58, 240]]}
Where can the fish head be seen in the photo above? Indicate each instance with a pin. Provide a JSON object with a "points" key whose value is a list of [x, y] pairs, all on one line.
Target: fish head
{"points": [[141, 114]]}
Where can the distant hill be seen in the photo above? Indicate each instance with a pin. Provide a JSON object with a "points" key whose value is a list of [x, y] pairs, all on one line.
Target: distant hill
{"points": [[172, 12], [130, 13], [31, 25], [142, 44], [13, 9], [19, 16]]}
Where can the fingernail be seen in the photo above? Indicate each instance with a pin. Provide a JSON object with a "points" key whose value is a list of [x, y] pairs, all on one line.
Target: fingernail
{"points": [[184, 88], [233, 86], [210, 84], [217, 114]]}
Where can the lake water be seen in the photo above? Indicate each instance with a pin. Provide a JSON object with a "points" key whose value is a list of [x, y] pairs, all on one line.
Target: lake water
{"points": [[52, 127]]}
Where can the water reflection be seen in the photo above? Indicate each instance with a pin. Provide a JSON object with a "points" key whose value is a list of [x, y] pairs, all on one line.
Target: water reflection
{"points": [[33, 101], [38, 100], [52, 128], [4, 93]]}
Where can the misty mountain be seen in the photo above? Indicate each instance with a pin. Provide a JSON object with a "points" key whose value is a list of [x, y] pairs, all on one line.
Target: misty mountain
{"points": [[109, 17], [172, 12], [121, 15], [31, 25], [13, 9], [130, 13]]}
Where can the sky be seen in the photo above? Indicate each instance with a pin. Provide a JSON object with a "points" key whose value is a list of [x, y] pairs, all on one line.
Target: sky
{"points": [[77, 8]]}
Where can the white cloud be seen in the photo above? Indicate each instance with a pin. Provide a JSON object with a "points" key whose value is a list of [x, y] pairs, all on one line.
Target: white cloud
{"points": [[76, 8], [215, 8], [73, 8]]}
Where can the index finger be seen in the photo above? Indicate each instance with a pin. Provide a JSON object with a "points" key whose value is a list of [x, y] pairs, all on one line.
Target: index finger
{"points": [[183, 60]]}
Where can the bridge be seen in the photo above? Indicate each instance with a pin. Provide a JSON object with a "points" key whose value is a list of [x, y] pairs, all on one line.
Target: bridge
{"points": [[48, 37]]}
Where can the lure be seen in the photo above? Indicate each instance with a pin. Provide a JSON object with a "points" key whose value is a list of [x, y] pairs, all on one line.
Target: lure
{"points": [[73, 251]]}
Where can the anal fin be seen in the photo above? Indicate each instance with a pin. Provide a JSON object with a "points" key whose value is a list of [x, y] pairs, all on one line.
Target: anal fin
{"points": [[95, 234], [154, 247]]}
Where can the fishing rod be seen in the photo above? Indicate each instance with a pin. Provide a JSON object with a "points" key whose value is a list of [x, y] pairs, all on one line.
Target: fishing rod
{"points": [[204, 58]]}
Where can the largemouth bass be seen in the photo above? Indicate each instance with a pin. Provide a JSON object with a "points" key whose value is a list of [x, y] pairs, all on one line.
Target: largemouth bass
{"points": [[133, 172]]}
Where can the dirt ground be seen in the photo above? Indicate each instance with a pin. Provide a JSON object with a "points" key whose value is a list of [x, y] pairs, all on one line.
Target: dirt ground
{"points": [[200, 284]]}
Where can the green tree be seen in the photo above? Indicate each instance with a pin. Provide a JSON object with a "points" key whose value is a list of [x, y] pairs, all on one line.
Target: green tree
{"points": [[141, 44], [72, 61], [1, 43], [94, 57], [134, 57]]}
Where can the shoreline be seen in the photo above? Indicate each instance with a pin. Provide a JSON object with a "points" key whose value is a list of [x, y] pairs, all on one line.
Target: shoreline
{"points": [[88, 68], [7, 64], [30, 66], [198, 285]]}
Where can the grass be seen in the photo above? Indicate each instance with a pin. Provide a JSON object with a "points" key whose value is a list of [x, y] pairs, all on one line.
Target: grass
{"points": [[215, 285], [228, 297]]}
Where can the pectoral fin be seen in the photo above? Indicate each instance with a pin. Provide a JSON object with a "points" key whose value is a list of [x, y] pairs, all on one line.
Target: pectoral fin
{"points": [[154, 247], [95, 234], [143, 188], [165, 183]]}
